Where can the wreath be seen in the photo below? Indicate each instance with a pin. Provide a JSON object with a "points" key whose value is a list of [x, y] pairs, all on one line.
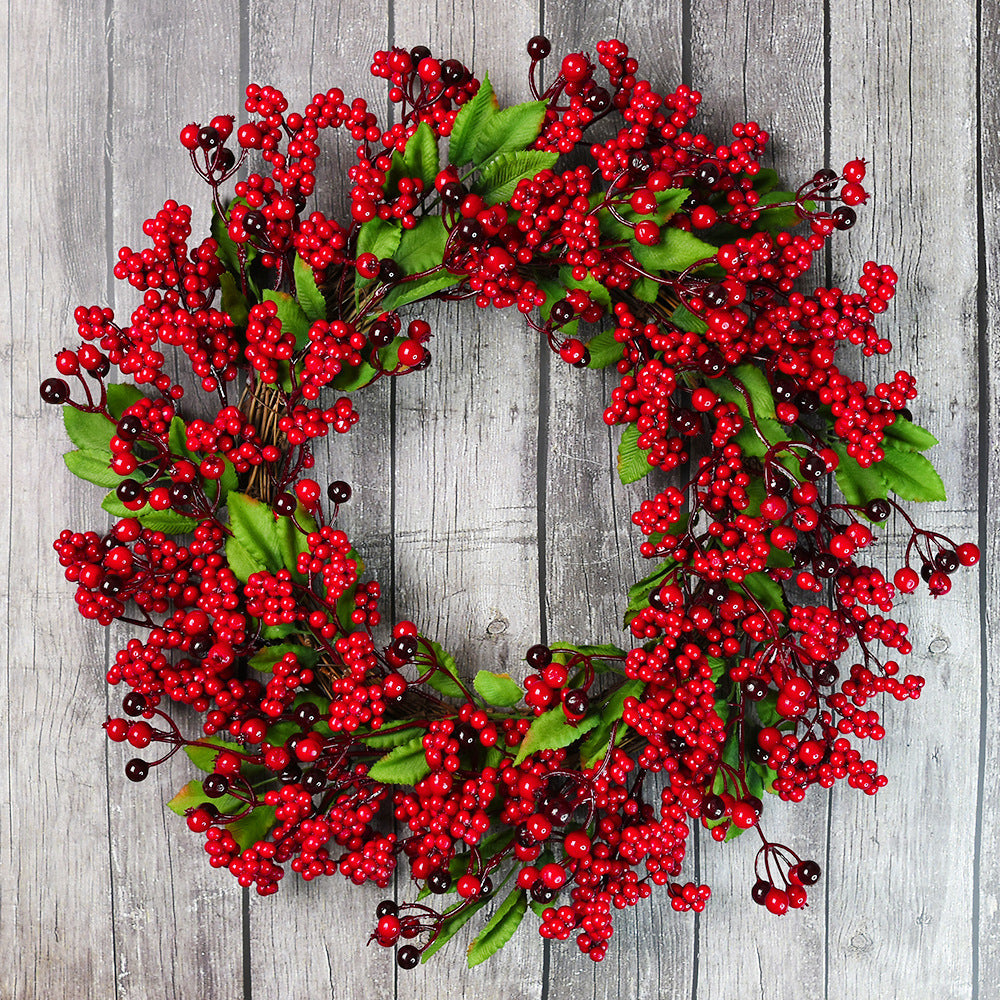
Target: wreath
{"points": [[758, 639]]}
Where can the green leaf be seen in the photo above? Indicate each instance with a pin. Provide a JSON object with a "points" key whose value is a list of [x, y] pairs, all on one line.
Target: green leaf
{"points": [[193, 795], [497, 689], [307, 291], [92, 465], [645, 289], [443, 681], [907, 436], [422, 247], [270, 632], [605, 651], [247, 831], [676, 251], [241, 562], [379, 740], [381, 238], [604, 349], [469, 123], [858, 484], [504, 172], [749, 440], [500, 928], [421, 288], [552, 731], [769, 593], [765, 180], [265, 659], [351, 379], [291, 315], [512, 129], [632, 460], [226, 251], [638, 593], [252, 524], [776, 219], [684, 319], [757, 388], [204, 757], [405, 765], [596, 745], [451, 927], [597, 292], [910, 476], [421, 155], [168, 521], [93, 431], [234, 302]]}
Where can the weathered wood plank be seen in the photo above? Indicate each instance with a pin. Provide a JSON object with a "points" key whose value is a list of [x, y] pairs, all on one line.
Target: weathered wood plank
{"points": [[986, 908], [903, 84], [591, 548], [314, 935], [764, 63], [169, 904], [56, 929], [465, 491]]}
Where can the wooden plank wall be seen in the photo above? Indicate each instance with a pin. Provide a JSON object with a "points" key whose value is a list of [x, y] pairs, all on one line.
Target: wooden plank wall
{"points": [[486, 491]]}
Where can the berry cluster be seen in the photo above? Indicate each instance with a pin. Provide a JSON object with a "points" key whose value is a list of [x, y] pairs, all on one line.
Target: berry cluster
{"points": [[575, 791]]}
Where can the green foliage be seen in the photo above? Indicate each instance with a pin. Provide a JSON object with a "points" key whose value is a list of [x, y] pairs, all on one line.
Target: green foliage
{"points": [[406, 764], [443, 679], [858, 484], [754, 381], [551, 731], [421, 156], [307, 291], [509, 130], [503, 173], [500, 928], [291, 315], [910, 476], [497, 689], [93, 465], [633, 463], [908, 436], [596, 745], [604, 349], [262, 541], [469, 123], [265, 659]]}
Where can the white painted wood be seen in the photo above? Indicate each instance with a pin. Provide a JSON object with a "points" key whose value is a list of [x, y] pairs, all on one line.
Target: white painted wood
{"points": [[56, 929]]}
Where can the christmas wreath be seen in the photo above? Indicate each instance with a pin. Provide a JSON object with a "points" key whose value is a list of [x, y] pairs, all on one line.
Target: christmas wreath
{"points": [[756, 642]]}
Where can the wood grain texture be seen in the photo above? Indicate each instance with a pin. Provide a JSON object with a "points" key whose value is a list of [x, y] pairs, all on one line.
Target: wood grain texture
{"points": [[763, 62], [475, 479], [466, 432], [986, 903], [901, 866], [591, 548], [165, 73], [303, 48], [56, 920]]}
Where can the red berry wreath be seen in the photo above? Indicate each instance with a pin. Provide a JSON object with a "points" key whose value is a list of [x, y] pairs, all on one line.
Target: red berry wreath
{"points": [[574, 792]]}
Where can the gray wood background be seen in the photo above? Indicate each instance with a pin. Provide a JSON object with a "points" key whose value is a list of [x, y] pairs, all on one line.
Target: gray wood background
{"points": [[486, 491]]}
